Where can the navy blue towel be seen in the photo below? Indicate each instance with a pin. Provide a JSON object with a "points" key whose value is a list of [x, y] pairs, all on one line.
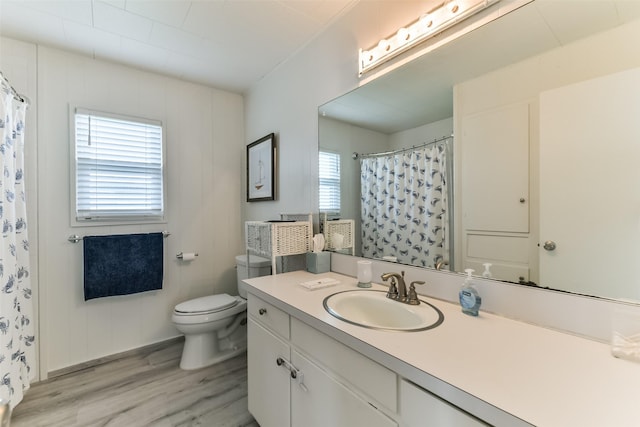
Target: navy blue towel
{"points": [[122, 264]]}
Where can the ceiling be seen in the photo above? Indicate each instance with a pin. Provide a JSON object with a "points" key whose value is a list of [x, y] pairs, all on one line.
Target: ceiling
{"points": [[232, 44], [421, 91], [228, 44]]}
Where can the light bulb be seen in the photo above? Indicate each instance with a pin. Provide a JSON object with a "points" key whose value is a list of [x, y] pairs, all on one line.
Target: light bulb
{"points": [[384, 45], [403, 36], [426, 22]]}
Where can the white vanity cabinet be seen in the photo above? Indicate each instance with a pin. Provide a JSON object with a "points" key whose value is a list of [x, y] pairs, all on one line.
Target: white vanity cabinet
{"points": [[289, 387]]}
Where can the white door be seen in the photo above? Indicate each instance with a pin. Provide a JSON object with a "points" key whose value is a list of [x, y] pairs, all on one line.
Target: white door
{"points": [[589, 169], [268, 383]]}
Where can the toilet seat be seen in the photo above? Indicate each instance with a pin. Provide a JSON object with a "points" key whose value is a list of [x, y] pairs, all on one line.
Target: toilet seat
{"points": [[206, 305], [207, 317]]}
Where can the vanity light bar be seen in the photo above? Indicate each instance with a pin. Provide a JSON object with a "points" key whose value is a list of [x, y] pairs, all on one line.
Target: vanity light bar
{"points": [[428, 25]]}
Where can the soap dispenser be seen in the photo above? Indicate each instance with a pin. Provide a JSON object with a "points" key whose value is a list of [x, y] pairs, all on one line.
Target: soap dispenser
{"points": [[469, 298]]}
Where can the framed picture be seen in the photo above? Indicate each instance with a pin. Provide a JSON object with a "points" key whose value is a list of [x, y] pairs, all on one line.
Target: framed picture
{"points": [[261, 169]]}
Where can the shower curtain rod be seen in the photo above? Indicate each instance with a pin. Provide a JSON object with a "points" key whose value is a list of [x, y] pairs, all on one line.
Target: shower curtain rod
{"points": [[14, 92], [357, 156]]}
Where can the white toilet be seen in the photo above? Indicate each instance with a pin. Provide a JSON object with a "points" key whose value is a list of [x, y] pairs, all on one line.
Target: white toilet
{"points": [[214, 326]]}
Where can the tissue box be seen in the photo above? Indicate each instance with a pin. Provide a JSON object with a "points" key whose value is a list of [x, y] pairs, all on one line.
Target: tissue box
{"points": [[318, 262]]}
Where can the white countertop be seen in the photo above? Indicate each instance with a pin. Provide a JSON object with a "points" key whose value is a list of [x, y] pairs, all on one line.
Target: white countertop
{"points": [[537, 375]]}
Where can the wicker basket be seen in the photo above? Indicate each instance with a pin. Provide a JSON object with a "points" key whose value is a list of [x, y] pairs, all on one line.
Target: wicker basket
{"points": [[274, 239], [342, 226]]}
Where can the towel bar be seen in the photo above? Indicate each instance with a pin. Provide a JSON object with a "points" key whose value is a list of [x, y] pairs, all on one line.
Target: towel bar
{"points": [[74, 238]]}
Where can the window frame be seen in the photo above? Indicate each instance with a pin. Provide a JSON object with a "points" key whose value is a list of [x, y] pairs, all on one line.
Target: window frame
{"points": [[339, 182], [107, 220]]}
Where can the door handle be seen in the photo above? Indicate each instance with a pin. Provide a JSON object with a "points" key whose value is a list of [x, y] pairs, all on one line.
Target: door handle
{"points": [[549, 245]]}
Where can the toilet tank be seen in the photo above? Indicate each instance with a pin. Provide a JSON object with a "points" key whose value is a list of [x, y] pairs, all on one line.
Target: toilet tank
{"points": [[259, 267]]}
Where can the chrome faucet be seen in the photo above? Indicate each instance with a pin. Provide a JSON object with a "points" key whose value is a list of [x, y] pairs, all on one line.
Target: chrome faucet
{"points": [[398, 288], [5, 413], [440, 264], [398, 293]]}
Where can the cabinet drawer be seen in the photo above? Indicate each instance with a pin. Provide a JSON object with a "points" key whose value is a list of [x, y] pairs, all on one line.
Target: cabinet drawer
{"points": [[269, 316], [359, 371]]}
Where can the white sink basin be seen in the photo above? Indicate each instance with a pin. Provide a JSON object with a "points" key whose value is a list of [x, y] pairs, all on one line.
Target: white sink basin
{"points": [[372, 309]]}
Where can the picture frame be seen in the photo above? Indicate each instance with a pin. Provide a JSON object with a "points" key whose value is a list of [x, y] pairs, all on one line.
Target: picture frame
{"points": [[261, 169]]}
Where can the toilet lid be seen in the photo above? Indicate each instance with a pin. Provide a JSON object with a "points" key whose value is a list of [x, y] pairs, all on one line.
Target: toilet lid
{"points": [[209, 303]]}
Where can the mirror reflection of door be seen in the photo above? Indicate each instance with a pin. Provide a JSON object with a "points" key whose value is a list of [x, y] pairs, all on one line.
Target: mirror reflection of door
{"points": [[495, 193], [590, 185]]}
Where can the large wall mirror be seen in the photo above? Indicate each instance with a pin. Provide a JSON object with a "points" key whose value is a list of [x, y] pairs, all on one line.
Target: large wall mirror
{"points": [[530, 133]]}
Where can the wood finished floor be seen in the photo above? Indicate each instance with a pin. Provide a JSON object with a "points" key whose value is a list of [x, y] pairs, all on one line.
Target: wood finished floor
{"points": [[147, 389]]}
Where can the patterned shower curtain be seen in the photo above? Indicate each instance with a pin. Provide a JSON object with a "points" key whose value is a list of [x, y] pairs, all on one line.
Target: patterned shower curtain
{"points": [[404, 199], [17, 350]]}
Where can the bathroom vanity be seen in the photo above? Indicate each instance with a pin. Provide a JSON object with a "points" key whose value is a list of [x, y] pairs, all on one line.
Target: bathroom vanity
{"points": [[308, 368]]}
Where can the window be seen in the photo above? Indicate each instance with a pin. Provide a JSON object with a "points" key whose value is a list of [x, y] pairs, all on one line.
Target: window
{"points": [[118, 168], [329, 173]]}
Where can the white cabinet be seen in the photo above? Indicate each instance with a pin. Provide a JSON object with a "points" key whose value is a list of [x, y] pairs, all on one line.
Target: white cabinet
{"points": [[287, 387], [419, 408]]}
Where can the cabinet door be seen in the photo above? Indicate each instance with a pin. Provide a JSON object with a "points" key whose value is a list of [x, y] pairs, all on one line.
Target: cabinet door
{"points": [[419, 408], [268, 383], [320, 401]]}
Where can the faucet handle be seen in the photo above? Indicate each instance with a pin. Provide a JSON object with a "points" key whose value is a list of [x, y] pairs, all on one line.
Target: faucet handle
{"points": [[412, 298], [393, 290]]}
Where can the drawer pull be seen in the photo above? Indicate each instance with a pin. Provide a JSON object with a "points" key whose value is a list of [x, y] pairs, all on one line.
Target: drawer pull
{"points": [[281, 361], [262, 311]]}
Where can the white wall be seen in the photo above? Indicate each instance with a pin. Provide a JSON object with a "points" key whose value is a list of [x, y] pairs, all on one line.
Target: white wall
{"points": [[421, 134], [204, 139]]}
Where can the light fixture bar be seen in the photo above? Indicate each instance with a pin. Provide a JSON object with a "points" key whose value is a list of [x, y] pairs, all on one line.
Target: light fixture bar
{"points": [[428, 25]]}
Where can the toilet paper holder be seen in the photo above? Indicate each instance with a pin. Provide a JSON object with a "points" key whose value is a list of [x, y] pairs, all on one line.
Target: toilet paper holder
{"points": [[187, 256]]}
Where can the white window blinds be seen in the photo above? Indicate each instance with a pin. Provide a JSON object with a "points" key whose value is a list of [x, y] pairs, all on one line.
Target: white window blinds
{"points": [[329, 174], [119, 172]]}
